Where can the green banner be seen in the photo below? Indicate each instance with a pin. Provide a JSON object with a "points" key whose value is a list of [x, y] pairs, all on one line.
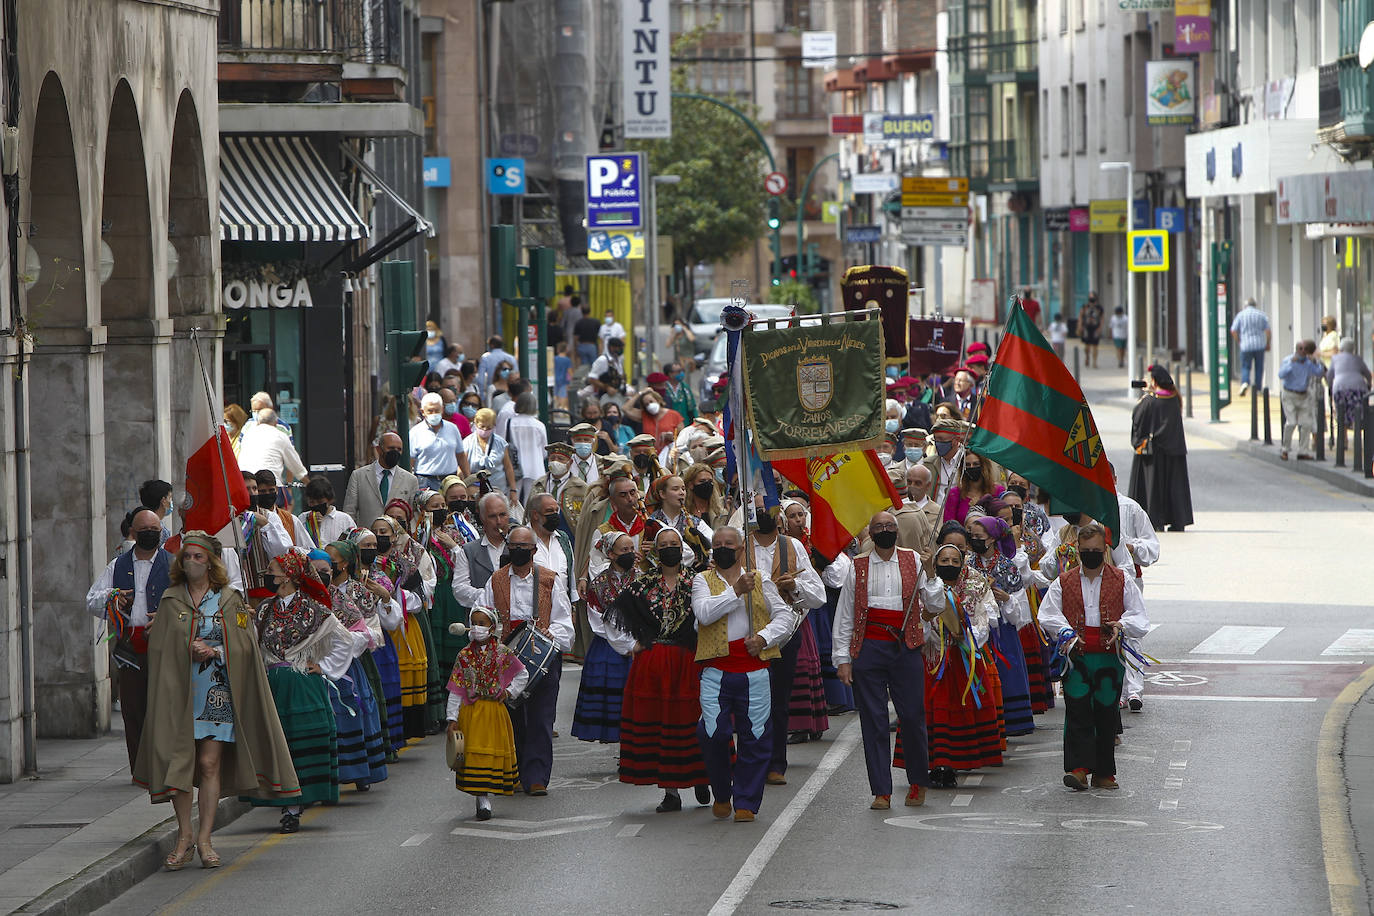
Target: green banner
{"points": [[816, 390]]}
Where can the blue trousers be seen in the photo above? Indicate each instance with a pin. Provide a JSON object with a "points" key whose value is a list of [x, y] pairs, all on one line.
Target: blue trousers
{"points": [[1249, 358], [533, 722], [738, 706], [886, 669]]}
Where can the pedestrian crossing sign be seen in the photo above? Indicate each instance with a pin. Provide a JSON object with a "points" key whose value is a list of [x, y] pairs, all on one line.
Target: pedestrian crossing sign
{"points": [[1148, 250]]}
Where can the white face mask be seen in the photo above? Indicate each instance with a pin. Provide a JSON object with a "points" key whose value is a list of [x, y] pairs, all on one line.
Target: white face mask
{"points": [[434, 419], [558, 468], [653, 407], [609, 320], [479, 634]]}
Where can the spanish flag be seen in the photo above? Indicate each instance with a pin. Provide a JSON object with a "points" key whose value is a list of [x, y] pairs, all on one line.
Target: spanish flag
{"points": [[844, 490]]}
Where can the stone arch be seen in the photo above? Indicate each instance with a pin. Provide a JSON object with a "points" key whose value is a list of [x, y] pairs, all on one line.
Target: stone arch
{"points": [[67, 476], [128, 310]]}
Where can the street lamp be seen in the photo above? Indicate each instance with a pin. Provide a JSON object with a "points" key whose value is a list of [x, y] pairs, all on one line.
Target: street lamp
{"points": [[1130, 280], [651, 264]]}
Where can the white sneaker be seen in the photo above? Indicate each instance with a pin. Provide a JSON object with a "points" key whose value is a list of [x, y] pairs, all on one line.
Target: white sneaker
{"points": [[1244, 388]]}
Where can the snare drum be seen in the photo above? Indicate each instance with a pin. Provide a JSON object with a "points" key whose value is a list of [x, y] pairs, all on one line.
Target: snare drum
{"points": [[536, 652]]}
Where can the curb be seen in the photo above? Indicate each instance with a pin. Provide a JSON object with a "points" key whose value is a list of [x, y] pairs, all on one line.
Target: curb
{"points": [[1345, 877], [137, 859]]}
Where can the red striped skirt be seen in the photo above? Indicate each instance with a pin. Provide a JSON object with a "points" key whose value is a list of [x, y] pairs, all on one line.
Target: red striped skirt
{"points": [[658, 720]]}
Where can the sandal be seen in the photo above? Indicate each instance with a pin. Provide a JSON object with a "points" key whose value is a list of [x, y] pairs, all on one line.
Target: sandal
{"points": [[210, 859], [174, 862]]}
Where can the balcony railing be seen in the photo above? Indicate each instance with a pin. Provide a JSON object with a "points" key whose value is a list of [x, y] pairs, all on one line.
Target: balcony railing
{"points": [[805, 105], [798, 15], [1008, 53], [1329, 96], [366, 31], [1010, 160]]}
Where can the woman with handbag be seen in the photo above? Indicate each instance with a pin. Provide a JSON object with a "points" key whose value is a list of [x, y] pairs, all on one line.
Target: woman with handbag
{"points": [[485, 675], [662, 704], [602, 687]]}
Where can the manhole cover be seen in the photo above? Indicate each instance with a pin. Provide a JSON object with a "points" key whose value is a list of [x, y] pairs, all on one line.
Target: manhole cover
{"points": [[835, 904]]}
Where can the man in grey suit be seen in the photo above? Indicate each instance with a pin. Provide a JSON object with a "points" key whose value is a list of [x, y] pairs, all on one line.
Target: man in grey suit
{"points": [[374, 485], [478, 559]]}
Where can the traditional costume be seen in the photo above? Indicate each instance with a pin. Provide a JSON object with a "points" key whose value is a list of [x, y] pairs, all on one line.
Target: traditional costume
{"points": [[362, 744], [484, 674], [444, 608], [839, 696], [1008, 570], [1141, 542], [1159, 470], [1034, 524], [601, 689], [400, 567]]}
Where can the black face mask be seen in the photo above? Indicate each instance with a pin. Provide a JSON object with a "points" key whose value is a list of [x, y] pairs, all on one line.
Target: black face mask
{"points": [[367, 555], [1091, 559], [1018, 490], [643, 462], [340, 572], [439, 515], [383, 544], [267, 500], [885, 540], [978, 545], [670, 557], [703, 489], [973, 474], [1017, 515], [520, 556], [269, 582], [610, 420], [148, 540], [458, 505], [625, 561], [1072, 517], [948, 573], [391, 457], [322, 508], [724, 557], [552, 521], [766, 523]]}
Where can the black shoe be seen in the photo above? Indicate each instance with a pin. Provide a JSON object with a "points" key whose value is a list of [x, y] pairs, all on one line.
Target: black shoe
{"points": [[798, 737], [703, 794], [484, 814], [1135, 704], [363, 786], [669, 803], [290, 823]]}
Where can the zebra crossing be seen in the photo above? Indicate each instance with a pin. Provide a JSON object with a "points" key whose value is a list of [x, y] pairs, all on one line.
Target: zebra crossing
{"points": [[1242, 642]]}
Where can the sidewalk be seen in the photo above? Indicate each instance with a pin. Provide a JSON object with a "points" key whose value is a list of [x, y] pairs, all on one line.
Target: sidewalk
{"points": [[81, 833]]}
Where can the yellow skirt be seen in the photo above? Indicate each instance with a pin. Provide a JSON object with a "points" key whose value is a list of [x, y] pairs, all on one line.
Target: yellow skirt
{"points": [[489, 766], [410, 654]]}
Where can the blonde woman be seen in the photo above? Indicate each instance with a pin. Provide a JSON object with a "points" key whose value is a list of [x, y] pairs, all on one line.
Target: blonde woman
{"points": [[486, 451]]}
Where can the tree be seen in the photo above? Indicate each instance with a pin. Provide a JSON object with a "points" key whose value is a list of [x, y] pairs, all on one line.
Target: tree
{"points": [[796, 293]]}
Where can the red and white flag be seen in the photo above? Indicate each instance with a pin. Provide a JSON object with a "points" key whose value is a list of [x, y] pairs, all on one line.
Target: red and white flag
{"points": [[215, 491]]}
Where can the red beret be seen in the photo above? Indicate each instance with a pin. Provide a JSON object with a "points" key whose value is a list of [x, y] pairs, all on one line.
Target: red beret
{"points": [[657, 378]]}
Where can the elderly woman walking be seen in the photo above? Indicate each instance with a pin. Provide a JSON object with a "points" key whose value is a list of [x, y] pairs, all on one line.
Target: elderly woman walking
{"points": [[1349, 380], [211, 721]]}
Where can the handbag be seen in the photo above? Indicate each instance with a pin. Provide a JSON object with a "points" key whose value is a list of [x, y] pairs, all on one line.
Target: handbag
{"points": [[455, 748], [536, 651]]}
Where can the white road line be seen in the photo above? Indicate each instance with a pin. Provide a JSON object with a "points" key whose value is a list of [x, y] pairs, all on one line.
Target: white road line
{"points": [[1254, 661], [973, 779], [1168, 804], [1236, 641], [767, 847], [961, 801], [417, 839], [1155, 697], [1173, 782], [629, 830], [1352, 642], [1182, 746]]}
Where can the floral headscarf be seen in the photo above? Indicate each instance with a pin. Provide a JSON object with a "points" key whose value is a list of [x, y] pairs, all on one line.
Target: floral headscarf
{"points": [[296, 564]]}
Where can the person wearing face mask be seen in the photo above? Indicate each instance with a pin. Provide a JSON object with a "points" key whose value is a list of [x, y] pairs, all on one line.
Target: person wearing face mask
{"points": [[484, 450], [948, 438], [269, 503], [372, 486], [355, 604], [993, 552], [976, 480], [807, 716], [553, 548], [395, 562], [387, 617], [644, 459], [126, 596], [303, 646], [559, 460], [523, 593], [434, 444], [485, 674], [912, 447], [704, 500], [741, 623], [914, 528], [677, 392], [655, 418], [211, 721], [662, 704], [440, 548], [1029, 545], [323, 522], [1142, 544], [610, 331], [876, 645], [1061, 549], [607, 374], [1086, 612], [157, 495], [458, 520], [596, 716]]}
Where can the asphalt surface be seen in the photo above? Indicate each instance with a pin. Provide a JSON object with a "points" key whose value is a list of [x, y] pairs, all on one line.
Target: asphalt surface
{"points": [[1217, 811]]}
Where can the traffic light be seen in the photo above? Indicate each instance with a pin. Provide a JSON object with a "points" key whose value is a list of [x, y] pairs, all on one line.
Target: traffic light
{"points": [[774, 220], [774, 224]]}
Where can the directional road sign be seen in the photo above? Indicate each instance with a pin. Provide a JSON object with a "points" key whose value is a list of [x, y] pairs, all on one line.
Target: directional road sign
{"points": [[914, 185], [775, 183], [615, 198], [943, 199], [1147, 250]]}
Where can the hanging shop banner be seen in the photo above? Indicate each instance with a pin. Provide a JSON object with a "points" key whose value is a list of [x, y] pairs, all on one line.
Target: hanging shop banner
{"points": [[1192, 26], [1169, 92], [646, 91]]}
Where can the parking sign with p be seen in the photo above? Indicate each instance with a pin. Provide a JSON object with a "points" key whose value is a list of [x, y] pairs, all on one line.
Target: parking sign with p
{"points": [[615, 199]]}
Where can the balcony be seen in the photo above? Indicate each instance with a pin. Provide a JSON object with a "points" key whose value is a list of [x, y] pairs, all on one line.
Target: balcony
{"points": [[1012, 58], [1355, 84], [802, 114], [1013, 166], [310, 41], [798, 16]]}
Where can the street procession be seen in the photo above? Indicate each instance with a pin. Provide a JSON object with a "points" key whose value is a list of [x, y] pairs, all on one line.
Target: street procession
{"points": [[686, 456]]}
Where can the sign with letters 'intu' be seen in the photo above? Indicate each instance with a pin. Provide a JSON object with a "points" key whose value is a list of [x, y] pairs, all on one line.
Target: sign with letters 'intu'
{"points": [[646, 93]]}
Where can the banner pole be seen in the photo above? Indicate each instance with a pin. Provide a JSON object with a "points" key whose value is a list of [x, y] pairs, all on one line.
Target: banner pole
{"points": [[219, 451]]}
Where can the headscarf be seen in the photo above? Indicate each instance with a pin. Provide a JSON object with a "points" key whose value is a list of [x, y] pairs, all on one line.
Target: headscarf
{"points": [[991, 504], [449, 481], [1000, 533], [404, 506], [201, 539], [349, 551], [318, 554], [296, 564]]}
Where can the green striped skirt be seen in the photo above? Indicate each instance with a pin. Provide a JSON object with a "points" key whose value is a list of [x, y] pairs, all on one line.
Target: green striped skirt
{"points": [[307, 719]]}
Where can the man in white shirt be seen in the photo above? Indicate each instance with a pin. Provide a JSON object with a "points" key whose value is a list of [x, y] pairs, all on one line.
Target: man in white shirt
{"points": [[1085, 612], [323, 522], [610, 330], [265, 447], [477, 560], [741, 621], [876, 645], [607, 374], [436, 449], [128, 590], [552, 545], [944, 464], [527, 594], [1142, 545]]}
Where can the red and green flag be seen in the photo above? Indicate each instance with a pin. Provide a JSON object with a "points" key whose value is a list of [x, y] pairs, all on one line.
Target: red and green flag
{"points": [[1035, 421]]}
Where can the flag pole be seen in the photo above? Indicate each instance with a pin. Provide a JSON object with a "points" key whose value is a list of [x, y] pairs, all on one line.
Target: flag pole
{"points": [[219, 451]]}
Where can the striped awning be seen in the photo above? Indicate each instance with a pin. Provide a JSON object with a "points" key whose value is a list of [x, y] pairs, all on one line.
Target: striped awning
{"points": [[276, 189]]}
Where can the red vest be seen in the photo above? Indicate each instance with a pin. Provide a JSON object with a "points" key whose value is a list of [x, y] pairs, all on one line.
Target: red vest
{"points": [[912, 633], [1111, 602], [543, 597]]}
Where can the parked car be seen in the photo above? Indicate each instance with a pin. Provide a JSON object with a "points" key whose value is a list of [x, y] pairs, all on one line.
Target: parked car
{"points": [[714, 365], [704, 319]]}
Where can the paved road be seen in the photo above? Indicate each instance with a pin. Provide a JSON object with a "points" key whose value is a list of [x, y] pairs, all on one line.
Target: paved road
{"points": [[1259, 620]]}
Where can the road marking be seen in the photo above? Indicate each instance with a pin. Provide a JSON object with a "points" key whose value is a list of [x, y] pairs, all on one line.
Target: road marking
{"points": [[961, 801], [1237, 641], [417, 839], [1193, 696], [1175, 679], [767, 847], [1183, 746], [1343, 878], [1173, 782], [1168, 804], [530, 830], [1255, 661], [629, 830], [1352, 642], [973, 779]]}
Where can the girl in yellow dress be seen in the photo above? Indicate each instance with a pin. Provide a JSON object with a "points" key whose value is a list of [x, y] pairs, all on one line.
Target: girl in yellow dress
{"points": [[485, 675]]}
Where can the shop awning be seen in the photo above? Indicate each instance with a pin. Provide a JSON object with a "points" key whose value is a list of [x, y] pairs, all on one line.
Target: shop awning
{"points": [[276, 189]]}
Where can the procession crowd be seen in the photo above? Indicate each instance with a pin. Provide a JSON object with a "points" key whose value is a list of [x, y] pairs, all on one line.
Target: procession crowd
{"points": [[296, 652]]}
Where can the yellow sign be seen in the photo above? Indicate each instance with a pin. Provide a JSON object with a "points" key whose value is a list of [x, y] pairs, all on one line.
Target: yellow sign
{"points": [[617, 246], [1107, 216], [952, 199], [934, 185], [830, 211], [1147, 250]]}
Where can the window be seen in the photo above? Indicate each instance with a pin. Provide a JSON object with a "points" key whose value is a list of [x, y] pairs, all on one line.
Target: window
{"points": [[796, 91], [1044, 136], [1080, 117], [1102, 119], [1078, 13], [1127, 82], [1064, 120], [1063, 16]]}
